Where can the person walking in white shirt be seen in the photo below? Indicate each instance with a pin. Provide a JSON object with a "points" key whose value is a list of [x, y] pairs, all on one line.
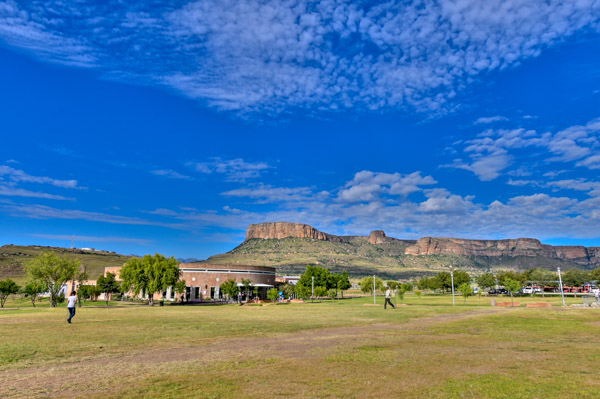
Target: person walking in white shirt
{"points": [[71, 303], [388, 294]]}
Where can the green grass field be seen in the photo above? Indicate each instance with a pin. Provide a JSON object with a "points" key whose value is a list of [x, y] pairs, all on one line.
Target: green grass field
{"points": [[347, 348]]}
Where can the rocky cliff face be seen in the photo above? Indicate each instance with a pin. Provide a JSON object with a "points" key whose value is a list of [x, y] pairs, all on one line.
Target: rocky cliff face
{"points": [[499, 248], [279, 230], [437, 245]]}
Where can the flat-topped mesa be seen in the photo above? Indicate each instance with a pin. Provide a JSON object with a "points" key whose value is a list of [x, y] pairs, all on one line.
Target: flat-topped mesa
{"points": [[278, 230], [377, 237], [459, 246], [496, 248]]}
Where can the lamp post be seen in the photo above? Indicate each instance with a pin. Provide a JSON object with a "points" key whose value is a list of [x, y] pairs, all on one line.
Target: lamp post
{"points": [[452, 282], [374, 297], [218, 288], [312, 298], [562, 291]]}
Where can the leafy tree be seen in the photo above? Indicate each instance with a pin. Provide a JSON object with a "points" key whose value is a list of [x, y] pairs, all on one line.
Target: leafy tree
{"points": [[503, 275], [247, 285], [366, 284], [273, 294], [180, 287], [302, 291], [486, 280], [7, 287], [418, 293], [230, 288], [343, 282], [321, 291], [33, 289], [321, 275], [595, 274], [465, 290], [289, 290], [108, 285], [406, 287], [575, 277], [392, 284], [541, 276], [80, 278], [423, 283], [85, 292], [512, 286], [54, 271], [400, 294], [332, 293], [150, 274]]}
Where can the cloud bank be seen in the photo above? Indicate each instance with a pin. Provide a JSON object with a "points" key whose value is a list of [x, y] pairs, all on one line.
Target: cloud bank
{"points": [[278, 55]]}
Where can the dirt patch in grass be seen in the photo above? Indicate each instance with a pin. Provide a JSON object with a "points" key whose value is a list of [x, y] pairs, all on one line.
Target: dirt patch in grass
{"points": [[81, 377]]}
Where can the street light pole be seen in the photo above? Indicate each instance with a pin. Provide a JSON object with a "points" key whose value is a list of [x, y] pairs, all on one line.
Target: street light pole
{"points": [[562, 291], [312, 298], [452, 282], [374, 299]]}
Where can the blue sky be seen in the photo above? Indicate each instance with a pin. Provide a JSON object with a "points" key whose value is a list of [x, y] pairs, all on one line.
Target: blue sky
{"points": [[149, 126]]}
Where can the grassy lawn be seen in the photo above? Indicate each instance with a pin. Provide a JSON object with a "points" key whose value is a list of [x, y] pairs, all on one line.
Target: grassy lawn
{"points": [[348, 348]]}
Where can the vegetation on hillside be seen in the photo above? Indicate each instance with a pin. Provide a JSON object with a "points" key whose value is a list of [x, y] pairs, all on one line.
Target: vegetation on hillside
{"points": [[14, 257]]}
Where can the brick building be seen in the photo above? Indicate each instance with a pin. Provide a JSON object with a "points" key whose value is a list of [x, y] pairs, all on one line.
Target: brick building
{"points": [[203, 280]]}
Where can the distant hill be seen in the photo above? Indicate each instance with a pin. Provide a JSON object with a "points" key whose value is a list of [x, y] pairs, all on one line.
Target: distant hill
{"points": [[14, 257], [291, 246]]}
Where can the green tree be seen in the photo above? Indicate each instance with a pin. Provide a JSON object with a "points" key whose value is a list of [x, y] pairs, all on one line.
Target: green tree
{"points": [[33, 289], [595, 275], [486, 280], [575, 277], [85, 292], [343, 282], [108, 285], [541, 276], [366, 284], [406, 287], [54, 271], [273, 294], [180, 287], [289, 290], [465, 290], [332, 293], [80, 278], [512, 286], [150, 274], [7, 287], [302, 292], [322, 278], [247, 286], [230, 288], [418, 293], [400, 294], [392, 284], [320, 291], [503, 275]]}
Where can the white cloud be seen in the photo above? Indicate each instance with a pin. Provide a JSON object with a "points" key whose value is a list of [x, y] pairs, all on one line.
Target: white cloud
{"points": [[234, 169], [490, 119], [276, 55], [19, 192], [266, 193], [92, 239], [16, 176], [493, 151], [371, 186], [171, 174]]}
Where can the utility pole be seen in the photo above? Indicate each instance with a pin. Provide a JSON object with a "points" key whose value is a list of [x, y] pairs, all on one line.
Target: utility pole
{"points": [[452, 282], [374, 298], [562, 291], [313, 289]]}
